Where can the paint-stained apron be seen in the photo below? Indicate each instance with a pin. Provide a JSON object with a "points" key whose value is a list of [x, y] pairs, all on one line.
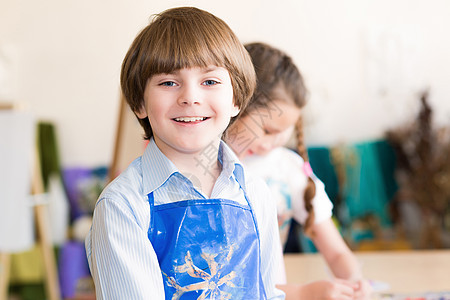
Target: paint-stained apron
{"points": [[207, 249]]}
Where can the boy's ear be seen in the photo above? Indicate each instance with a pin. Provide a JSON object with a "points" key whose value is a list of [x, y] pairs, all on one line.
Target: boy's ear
{"points": [[141, 113], [235, 110]]}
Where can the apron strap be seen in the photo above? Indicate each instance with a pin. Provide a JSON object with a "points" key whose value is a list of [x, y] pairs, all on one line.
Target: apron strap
{"points": [[151, 201], [239, 174]]}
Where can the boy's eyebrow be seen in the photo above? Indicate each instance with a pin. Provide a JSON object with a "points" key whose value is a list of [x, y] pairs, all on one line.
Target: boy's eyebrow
{"points": [[168, 73], [210, 69], [204, 69]]}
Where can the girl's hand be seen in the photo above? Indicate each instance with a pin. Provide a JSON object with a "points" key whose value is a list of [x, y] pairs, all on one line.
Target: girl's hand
{"points": [[337, 289], [363, 290]]}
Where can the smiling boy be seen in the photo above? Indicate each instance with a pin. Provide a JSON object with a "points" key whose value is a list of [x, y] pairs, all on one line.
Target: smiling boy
{"points": [[184, 221], [187, 110]]}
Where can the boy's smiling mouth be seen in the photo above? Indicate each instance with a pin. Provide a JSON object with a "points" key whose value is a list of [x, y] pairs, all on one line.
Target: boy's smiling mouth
{"points": [[190, 119]]}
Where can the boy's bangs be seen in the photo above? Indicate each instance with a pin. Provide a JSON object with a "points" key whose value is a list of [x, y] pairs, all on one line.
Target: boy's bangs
{"points": [[187, 48], [185, 58]]}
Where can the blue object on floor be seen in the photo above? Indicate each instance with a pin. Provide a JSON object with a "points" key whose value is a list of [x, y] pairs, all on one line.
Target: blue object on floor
{"points": [[73, 266]]}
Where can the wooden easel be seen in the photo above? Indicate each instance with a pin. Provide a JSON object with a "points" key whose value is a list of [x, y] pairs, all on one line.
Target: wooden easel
{"points": [[43, 237], [129, 142], [5, 262]]}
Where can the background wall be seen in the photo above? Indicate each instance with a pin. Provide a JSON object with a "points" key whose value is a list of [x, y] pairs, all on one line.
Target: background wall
{"points": [[364, 61]]}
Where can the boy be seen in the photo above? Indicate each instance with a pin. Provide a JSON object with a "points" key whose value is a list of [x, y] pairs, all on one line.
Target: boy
{"points": [[184, 221]]}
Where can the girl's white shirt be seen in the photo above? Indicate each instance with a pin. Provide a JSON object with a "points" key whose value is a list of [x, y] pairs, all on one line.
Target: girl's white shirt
{"points": [[282, 169]]}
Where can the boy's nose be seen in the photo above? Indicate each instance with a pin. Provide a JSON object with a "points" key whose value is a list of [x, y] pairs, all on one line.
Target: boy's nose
{"points": [[189, 95]]}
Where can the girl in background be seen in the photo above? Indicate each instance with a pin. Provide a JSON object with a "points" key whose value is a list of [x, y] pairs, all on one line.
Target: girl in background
{"points": [[258, 137]]}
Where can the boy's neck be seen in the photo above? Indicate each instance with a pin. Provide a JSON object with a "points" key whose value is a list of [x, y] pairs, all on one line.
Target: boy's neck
{"points": [[202, 173], [203, 179], [202, 168]]}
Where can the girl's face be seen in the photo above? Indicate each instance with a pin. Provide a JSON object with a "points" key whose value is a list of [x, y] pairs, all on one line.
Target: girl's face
{"points": [[263, 129], [189, 109]]}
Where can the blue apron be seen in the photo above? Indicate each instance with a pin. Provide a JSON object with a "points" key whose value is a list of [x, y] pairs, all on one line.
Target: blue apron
{"points": [[207, 249]]}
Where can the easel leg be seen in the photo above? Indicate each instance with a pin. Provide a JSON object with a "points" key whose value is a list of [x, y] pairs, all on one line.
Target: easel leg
{"points": [[44, 240], [5, 264], [51, 280]]}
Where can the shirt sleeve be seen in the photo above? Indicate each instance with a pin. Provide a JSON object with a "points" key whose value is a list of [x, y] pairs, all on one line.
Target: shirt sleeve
{"points": [[323, 207], [271, 252], [122, 260]]}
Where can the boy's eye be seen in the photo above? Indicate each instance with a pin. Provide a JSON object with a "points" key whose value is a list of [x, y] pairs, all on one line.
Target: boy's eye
{"points": [[168, 83], [210, 82]]}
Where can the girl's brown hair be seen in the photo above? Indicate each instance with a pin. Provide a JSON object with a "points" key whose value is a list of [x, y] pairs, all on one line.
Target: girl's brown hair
{"points": [[275, 70], [184, 37]]}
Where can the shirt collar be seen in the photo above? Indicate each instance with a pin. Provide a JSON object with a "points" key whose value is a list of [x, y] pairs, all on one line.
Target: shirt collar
{"points": [[231, 166], [157, 168]]}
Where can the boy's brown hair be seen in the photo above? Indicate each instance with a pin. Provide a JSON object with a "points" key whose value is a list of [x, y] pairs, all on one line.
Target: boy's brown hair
{"points": [[184, 37]]}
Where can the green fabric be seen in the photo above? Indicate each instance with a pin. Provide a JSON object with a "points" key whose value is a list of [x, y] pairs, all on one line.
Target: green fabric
{"points": [[369, 179], [368, 187], [322, 164], [27, 266], [387, 159], [28, 291], [369, 184], [48, 151]]}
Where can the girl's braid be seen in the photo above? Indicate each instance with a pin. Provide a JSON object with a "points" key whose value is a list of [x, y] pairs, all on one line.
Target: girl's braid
{"points": [[310, 189]]}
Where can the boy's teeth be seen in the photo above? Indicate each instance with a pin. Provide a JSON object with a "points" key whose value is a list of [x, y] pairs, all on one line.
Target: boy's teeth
{"points": [[189, 119]]}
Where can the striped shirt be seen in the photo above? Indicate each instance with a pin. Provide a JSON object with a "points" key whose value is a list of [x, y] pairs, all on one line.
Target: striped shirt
{"points": [[122, 260]]}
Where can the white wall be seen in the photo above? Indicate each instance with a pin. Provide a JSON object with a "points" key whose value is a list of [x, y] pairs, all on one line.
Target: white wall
{"points": [[364, 61]]}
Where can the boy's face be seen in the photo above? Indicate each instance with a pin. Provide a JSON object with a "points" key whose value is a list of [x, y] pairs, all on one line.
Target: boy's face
{"points": [[263, 129], [189, 109]]}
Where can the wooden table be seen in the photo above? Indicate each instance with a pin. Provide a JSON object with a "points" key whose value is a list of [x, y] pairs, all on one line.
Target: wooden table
{"points": [[403, 271]]}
